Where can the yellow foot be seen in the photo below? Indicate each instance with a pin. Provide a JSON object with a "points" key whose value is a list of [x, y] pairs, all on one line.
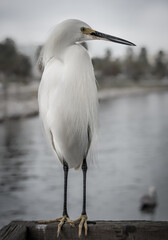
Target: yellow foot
{"points": [[82, 222], [61, 221]]}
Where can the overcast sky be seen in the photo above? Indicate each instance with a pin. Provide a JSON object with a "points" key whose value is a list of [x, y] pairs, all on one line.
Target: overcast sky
{"points": [[143, 22]]}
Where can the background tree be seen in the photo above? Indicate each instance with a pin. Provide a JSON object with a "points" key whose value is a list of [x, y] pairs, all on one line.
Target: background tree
{"points": [[136, 67], [8, 56], [107, 65], [12, 62], [160, 66], [13, 67], [129, 64], [143, 66]]}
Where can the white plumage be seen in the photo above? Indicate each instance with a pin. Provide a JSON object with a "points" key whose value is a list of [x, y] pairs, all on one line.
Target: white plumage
{"points": [[67, 93], [68, 101]]}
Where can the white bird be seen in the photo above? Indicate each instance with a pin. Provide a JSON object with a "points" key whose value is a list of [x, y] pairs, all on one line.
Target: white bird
{"points": [[149, 201], [67, 100]]}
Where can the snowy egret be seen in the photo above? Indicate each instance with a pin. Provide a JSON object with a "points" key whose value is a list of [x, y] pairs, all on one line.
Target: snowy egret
{"points": [[68, 101]]}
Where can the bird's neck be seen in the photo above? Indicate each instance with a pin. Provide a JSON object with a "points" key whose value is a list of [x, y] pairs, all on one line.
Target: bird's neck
{"points": [[56, 51], [56, 46]]}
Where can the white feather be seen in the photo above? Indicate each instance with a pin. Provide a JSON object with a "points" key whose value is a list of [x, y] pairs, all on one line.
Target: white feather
{"points": [[68, 95]]}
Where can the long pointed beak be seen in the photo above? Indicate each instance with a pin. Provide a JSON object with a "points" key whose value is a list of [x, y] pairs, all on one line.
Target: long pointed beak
{"points": [[103, 36]]}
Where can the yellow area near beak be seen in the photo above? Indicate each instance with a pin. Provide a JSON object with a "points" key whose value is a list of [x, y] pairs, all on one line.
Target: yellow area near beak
{"points": [[88, 31]]}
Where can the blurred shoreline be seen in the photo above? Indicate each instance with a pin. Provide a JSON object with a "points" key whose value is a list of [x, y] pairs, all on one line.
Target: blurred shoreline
{"points": [[22, 99], [127, 91]]}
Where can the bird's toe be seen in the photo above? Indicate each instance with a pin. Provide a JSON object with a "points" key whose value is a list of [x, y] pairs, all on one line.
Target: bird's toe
{"points": [[82, 223], [61, 221], [49, 221]]}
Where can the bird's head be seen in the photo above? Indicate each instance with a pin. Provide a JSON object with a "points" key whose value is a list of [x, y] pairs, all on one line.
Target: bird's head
{"points": [[78, 31], [69, 32]]}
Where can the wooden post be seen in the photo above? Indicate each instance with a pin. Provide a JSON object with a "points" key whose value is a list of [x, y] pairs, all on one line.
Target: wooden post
{"points": [[97, 230]]}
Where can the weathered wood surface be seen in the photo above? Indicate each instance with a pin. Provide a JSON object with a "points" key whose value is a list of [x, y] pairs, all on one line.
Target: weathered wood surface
{"points": [[99, 230]]}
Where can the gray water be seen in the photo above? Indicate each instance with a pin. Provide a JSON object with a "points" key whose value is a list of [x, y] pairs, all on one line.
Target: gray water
{"points": [[132, 155]]}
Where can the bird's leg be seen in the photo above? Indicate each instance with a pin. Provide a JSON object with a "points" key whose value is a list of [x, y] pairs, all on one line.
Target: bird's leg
{"points": [[65, 217], [84, 215], [65, 168], [84, 169], [83, 218]]}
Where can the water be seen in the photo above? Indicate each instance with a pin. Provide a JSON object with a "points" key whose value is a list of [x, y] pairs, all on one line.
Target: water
{"points": [[132, 155]]}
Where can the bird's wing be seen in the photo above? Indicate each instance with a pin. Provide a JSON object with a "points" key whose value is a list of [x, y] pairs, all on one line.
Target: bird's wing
{"points": [[51, 78]]}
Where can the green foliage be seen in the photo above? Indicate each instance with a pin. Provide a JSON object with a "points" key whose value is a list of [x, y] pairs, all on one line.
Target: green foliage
{"points": [[160, 65], [8, 56], [106, 65], [134, 66], [12, 62]]}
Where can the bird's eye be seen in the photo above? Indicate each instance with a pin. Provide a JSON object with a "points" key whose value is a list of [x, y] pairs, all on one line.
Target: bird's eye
{"points": [[82, 29]]}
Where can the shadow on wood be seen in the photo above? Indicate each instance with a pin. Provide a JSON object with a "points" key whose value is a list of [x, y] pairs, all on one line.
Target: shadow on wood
{"points": [[99, 230]]}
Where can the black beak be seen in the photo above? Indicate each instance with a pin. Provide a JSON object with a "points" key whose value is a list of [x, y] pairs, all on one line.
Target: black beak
{"points": [[107, 37]]}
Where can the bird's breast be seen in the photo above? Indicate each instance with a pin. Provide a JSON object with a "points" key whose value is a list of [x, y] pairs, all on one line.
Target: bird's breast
{"points": [[68, 104]]}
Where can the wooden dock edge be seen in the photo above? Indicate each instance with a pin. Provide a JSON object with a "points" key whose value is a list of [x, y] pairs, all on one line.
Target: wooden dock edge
{"points": [[97, 230]]}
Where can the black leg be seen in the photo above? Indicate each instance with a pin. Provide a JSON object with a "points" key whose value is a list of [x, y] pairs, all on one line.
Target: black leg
{"points": [[84, 169], [66, 168]]}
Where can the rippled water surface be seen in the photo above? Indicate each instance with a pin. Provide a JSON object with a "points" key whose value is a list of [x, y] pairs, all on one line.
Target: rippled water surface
{"points": [[132, 155]]}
